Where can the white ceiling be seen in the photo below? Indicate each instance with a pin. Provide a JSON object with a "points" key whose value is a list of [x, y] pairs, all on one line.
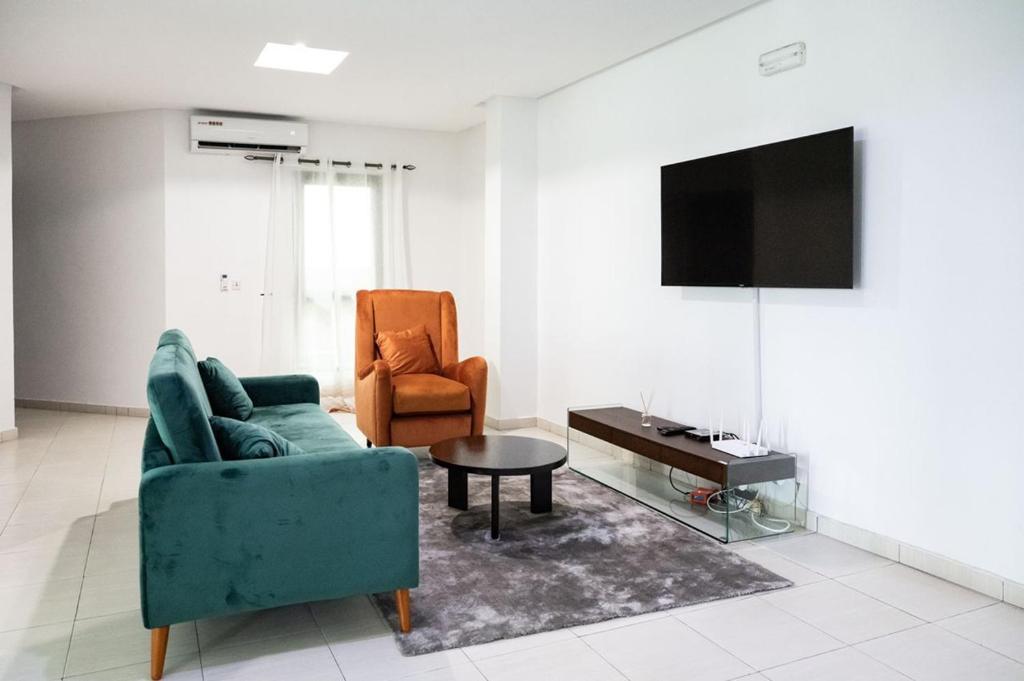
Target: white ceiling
{"points": [[413, 63]]}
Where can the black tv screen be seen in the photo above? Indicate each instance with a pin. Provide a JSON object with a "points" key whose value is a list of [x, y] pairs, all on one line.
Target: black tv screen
{"points": [[778, 215]]}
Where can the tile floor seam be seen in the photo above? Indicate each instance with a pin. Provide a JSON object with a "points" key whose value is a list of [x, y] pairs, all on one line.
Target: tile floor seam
{"points": [[762, 670], [977, 643], [883, 662], [720, 647], [477, 668], [261, 639], [653, 616], [883, 602], [907, 612], [602, 657], [107, 614], [924, 623], [983, 607], [35, 471], [845, 574], [782, 556], [921, 620], [92, 534], [323, 635], [980, 607], [846, 647], [818, 629], [199, 653]]}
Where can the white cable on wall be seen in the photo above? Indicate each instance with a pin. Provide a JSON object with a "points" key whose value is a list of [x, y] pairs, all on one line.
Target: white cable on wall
{"points": [[758, 395]]}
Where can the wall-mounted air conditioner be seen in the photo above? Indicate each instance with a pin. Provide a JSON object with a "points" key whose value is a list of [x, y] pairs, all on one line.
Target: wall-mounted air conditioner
{"points": [[227, 135]]}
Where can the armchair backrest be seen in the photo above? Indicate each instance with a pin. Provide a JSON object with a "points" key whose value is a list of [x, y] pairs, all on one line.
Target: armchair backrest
{"points": [[398, 310]]}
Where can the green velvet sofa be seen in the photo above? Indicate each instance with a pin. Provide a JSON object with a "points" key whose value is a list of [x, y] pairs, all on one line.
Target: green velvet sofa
{"points": [[220, 537]]}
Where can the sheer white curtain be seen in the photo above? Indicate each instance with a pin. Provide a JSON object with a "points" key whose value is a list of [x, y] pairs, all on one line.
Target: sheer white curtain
{"points": [[395, 254], [331, 232]]}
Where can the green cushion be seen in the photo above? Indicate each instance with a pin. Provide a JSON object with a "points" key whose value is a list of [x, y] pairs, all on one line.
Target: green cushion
{"points": [[307, 426], [227, 396], [239, 440], [178, 405]]}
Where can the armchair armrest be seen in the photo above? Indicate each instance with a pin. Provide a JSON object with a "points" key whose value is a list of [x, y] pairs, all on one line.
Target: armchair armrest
{"points": [[223, 537], [265, 391], [373, 402], [472, 372]]}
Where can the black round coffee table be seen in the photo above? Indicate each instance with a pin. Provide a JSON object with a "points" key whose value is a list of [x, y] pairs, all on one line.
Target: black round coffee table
{"points": [[498, 455]]}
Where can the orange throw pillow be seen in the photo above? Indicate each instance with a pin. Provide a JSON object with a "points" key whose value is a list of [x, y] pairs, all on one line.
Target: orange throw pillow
{"points": [[408, 352]]}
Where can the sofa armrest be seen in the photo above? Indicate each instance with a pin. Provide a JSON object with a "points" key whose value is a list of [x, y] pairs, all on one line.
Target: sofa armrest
{"points": [[472, 372], [266, 391], [373, 402], [228, 536]]}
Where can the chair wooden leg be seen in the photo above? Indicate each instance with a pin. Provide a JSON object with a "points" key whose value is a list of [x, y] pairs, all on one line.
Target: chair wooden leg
{"points": [[404, 615], [157, 651]]}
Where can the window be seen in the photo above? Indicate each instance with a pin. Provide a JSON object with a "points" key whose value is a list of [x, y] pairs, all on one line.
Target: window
{"points": [[329, 234], [340, 254]]}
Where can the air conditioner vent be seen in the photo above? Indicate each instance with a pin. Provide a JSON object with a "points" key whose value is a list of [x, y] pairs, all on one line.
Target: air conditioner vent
{"points": [[227, 135], [241, 146]]}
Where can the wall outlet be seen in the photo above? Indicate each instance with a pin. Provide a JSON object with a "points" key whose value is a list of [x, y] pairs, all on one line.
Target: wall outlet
{"points": [[236, 285]]}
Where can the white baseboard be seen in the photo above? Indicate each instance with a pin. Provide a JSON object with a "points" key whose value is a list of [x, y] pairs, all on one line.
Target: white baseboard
{"points": [[552, 427], [953, 571], [855, 536], [81, 407], [1013, 593], [8, 435], [510, 424], [967, 576]]}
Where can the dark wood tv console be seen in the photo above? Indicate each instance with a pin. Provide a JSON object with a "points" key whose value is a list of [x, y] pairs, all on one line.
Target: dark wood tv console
{"points": [[620, 427]]}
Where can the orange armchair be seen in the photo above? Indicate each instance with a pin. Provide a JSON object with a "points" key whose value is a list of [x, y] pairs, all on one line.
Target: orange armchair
{"points": [[415, 410]]}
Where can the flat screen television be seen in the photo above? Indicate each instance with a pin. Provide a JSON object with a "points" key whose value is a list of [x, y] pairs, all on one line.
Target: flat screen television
{"points": [[778, 215]]}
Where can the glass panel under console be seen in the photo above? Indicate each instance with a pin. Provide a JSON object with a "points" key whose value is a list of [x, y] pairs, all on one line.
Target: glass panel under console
{"points": [[739, 503]]}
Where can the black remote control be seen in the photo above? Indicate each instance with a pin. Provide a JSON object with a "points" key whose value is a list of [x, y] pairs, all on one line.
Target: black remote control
{"points": [[669, 431]]}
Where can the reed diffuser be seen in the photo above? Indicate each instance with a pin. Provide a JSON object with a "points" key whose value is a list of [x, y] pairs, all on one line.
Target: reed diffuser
{"points": [[645, 415]]}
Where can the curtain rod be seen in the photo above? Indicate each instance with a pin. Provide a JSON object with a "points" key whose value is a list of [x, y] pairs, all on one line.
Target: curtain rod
{"points": [[316, 162]]}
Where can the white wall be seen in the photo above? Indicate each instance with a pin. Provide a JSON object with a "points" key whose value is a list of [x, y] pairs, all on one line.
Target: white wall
{"points": [[880, 387], [216, 211], [471, 217], [88, 256], [121, 232], [6, 262], [216, 218], [510, 257]]}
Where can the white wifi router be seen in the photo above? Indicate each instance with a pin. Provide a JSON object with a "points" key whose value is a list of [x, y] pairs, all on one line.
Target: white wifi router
{"points": [[741, 447]]}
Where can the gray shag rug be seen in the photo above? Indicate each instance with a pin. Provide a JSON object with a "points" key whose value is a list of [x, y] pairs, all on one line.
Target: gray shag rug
{"points": [[597, 556]]}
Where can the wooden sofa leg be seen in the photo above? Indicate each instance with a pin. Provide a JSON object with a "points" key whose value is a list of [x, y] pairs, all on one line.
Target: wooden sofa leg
{"points": [[404, 616], [157, 651]]}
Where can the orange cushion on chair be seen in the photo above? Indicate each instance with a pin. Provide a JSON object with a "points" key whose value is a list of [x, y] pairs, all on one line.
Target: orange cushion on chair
{"points": [[428, 394], [408, 352]]}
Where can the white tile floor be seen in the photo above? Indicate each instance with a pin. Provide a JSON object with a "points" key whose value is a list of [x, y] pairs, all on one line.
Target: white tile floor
{"points": [[69, 603]]}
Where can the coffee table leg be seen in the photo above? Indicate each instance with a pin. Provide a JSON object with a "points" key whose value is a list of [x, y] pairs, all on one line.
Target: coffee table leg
{"points": [[540, 492], [495, 525], [458, 489]]}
